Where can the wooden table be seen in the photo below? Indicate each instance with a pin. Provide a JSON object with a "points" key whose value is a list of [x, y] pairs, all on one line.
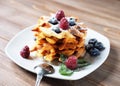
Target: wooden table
{"points": [[100, 15]]}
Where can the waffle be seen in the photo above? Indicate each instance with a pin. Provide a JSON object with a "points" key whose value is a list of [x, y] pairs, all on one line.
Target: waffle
{"points": [[50, 44]]}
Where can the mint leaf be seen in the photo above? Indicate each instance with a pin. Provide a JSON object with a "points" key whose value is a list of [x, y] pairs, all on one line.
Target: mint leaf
{"points": [[84, 64], [65, 71], [81, 61], [63, 57]]}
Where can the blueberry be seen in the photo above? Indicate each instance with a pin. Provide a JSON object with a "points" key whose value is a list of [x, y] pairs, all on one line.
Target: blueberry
{"points": [[56, 29], [35, 39], [99, 46], [88, 47], [53, 21], [92, 41], [72, 21], [94, 52]]}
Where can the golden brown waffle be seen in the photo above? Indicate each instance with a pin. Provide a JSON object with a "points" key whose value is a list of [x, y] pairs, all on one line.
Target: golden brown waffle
{"points": [[50, 44]]}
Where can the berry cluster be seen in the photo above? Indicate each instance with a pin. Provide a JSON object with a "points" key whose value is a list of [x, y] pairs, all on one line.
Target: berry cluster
{"points": [[61, 19], [94, 47], [25, 52]]}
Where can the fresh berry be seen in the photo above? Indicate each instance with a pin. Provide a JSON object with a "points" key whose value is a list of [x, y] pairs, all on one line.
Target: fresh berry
{"points": [[88, 47], [71, 62], [92, 41], [60, 14], [94, 52], [56, 29], [53, 21], [72, 22], [35, 39], [25, 52], [99, 46], [94, 47], [26, 48], [64, 24]]}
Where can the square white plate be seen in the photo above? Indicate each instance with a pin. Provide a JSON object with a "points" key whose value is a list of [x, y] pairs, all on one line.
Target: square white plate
{"points": [[26, 37]]}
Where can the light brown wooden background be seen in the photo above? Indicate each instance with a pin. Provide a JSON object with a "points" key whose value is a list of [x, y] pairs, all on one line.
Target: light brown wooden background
{"points": [[101, 15]]}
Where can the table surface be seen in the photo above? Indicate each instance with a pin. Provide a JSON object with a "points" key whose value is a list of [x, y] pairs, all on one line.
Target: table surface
{"points": [[102, 16]]}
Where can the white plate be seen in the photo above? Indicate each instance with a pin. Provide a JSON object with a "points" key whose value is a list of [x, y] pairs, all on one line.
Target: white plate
{"points": [[25, 37]]}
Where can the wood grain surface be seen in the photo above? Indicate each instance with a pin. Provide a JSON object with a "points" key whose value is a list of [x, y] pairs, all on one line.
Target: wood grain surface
{"points": [[102, 16]]}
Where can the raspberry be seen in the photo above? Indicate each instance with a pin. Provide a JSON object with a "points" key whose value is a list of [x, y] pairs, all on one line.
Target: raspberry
{"points": [[64, 24], [60, 14], [25, 52], [71, 62], [26, 48]]}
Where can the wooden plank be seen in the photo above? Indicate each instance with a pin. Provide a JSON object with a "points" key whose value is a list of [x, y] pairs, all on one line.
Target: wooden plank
{"points": [[102, 16]]}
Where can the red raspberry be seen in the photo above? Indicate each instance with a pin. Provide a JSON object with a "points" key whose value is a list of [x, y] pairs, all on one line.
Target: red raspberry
{"points": [[25, 52], [26, 48], [60, 14], [71, 62], [64, 24]]}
